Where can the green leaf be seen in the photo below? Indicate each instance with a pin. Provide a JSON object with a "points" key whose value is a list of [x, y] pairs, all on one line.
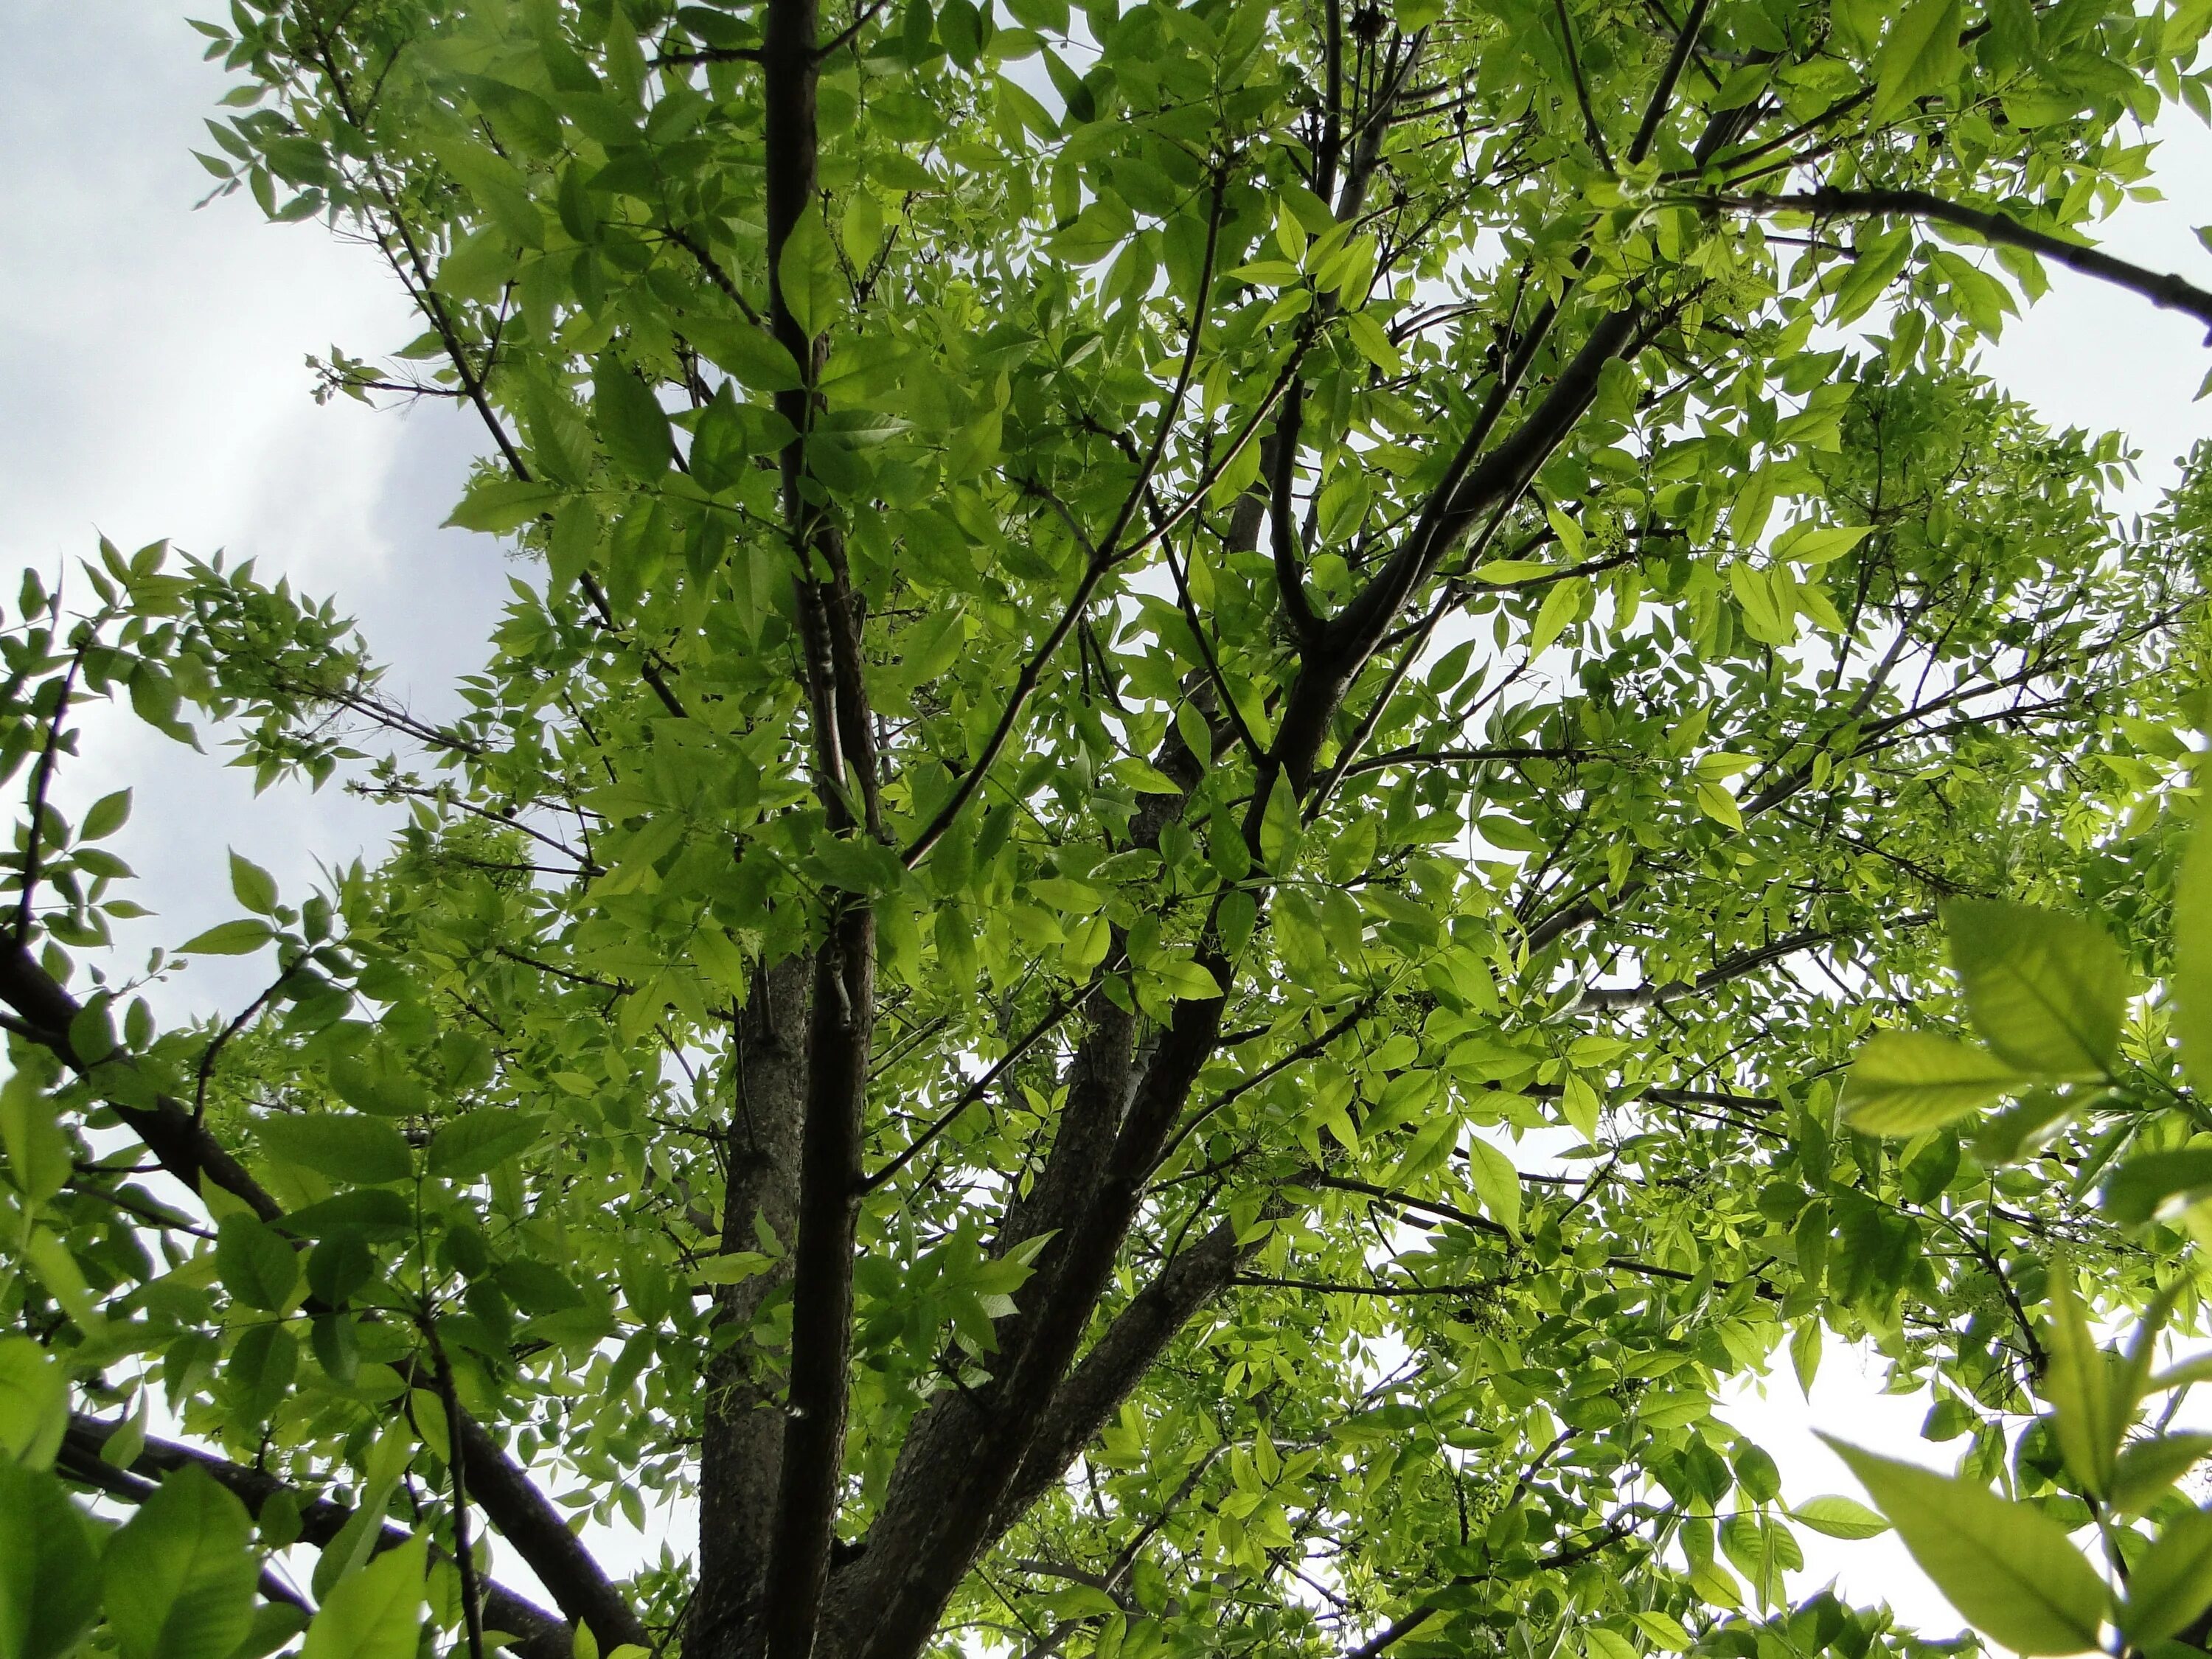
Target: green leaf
{"points": [[631, 423], [746, 352], [1904, 1082], [497, 505], [258, 1266], [1496, 1183], [1920, 55], [808, 278], [374, 1614], [2191, 981], [1046, 16], [575, 539], [255, 887], [178, 1580], [1281, 829], [2172, 1584], [498, 185], [382, 1472], [1664, 1630], [1880, 256], [959, 27], [861, 228], [106, 815], [2013, 1132], [1769, 600], [2088, 1419], [373, 1212], [274, 1623], [2139, 1189], [40, 1161], [733, 1268], [1835, 1517], [1372, 343], [1561, 606], [2147, 1467], [361, 1151], [1185, 980], [1812, 543], [262, 1363], [477, 1143], [121, 1448], [378, 1085], [241, 938], [49, 1577], [2009, 1569], [1717, 804], [2046, 990], [34, 1403]]}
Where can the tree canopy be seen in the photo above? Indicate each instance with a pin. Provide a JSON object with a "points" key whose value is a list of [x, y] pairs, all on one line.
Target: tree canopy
{"points": [[1218, 724]]}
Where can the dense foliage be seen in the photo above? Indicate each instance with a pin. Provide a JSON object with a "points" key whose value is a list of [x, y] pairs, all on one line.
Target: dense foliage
{"points": [[1221, 722]]}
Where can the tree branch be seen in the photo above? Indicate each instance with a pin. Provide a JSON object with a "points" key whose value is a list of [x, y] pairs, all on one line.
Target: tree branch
{"points": [[2166, 290], [42, 777], [522, 1513], [841, 1021], [1662, 94], [974, 1092], [542, 1635]]}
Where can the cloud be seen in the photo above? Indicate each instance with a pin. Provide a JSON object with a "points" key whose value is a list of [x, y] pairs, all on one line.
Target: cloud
{"points": [[157, 388]]}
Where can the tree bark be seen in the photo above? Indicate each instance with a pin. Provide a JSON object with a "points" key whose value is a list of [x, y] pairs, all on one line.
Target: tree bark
{"points": [[741, 1447]]}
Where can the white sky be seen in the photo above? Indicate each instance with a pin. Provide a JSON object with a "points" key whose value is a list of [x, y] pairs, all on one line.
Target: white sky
{"points": [[152, 384]]}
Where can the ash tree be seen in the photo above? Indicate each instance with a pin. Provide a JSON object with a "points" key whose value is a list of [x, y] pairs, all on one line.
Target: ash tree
{"points": [[1219, 724]]}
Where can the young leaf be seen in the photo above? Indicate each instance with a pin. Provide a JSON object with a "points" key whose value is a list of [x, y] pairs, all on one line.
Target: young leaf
{"points": [[40, 1161], [1904, 1082], [477, 1143], [632, 423], [2087, 1417], [241, 938], [742, 349], [1920, 55], [178, 1579], [374, 1613], [2172, 1582], [49, 1578], [106, 815], [1837, 1516], [2045, 991], [385, 1464], [1561, 606], [2191, 983], [33, 1403], [361, 1151], [255, 887], [257, 1268], [1496, 1183], [2140, 1187], [808, 277], [2009, 1569], [1664, 1629], [2147, 1468], [1280, 830]]}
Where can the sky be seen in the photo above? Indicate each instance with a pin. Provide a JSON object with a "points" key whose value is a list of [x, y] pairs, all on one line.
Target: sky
{"points": [[153, 384]]}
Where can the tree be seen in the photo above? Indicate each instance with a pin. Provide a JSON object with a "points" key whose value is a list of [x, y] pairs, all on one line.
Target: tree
{"points": [[1142, 936]]}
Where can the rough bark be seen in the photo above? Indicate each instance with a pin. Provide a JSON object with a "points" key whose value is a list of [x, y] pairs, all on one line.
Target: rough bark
{"points": [[741, 1449], [1115, 1363]]}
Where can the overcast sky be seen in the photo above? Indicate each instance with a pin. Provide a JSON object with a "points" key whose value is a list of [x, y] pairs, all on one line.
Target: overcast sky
{"points": [[152, 384]]}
